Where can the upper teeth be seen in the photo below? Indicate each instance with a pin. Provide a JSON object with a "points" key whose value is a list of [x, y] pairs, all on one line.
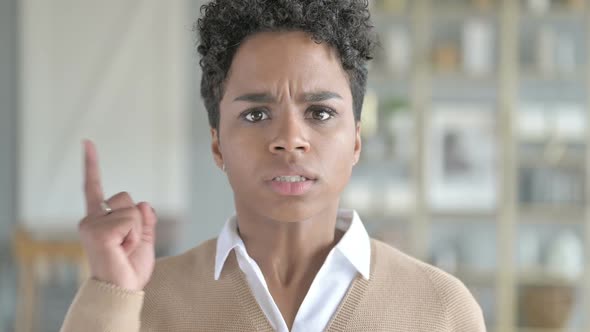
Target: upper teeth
{"points": [[296, 178]]}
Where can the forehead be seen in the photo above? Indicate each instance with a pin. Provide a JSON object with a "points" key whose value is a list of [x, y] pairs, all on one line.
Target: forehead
{"points": [[271, 59]]}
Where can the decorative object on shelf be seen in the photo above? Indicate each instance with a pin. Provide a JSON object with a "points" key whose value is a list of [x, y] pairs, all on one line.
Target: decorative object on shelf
{"points": [[569, 120], [446, 57], [549, 134], [532, 122], [565, 256], [539, 6], [397, 124], [552, 186], [478, 48], [398, 50], [576, 5], [461, 172], [546, 306], [542, 122], [394, 113]]}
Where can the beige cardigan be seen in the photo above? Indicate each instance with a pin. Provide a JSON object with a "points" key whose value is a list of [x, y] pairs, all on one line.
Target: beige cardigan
{"points": [[402, 294]]}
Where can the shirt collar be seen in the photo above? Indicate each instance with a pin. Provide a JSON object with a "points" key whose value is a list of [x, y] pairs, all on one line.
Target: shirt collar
{"points": [[228, 240], [355, 244]]}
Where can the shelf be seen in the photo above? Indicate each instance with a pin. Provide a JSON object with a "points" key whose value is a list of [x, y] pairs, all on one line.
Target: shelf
{"points": [[456, 13], [567, 161], [549, 152], [554, 14], [540, 277], [529, 74], [463, 77], [557, 78], [376, 215], [557, 214], [463, 215], [460, 86], [538, 329], [381, 80]]}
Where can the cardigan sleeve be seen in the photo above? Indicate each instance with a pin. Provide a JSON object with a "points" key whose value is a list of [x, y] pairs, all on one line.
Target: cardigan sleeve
{"points": [[102, 307]]}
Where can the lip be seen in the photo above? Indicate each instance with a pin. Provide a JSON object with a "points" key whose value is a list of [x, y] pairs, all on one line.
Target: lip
{"points": [[292, 188], [293, 171]]}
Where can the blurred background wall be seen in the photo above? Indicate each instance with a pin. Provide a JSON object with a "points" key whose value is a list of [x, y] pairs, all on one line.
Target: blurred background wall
{"points": [[475, 138], [8, 115], [126, 76]]}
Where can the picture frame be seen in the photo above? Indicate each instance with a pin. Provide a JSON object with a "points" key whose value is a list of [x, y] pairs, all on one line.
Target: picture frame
{"points": [[461, 158]]}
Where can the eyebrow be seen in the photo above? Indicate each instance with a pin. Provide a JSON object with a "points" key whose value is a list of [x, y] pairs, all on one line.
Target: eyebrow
{"points": [[309, 97]]}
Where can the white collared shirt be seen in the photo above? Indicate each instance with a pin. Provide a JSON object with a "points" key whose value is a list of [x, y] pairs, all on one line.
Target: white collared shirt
{"points": [[352, 255]]}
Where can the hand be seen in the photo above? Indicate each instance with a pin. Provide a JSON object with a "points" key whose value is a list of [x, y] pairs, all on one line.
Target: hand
{"points": [[120, 244]]}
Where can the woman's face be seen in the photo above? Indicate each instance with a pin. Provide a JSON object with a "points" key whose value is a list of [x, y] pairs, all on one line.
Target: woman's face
{"points": [[287, 134]]}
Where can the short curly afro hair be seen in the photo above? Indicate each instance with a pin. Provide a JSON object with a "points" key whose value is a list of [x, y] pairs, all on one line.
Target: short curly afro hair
{"points": [[345, 25]]}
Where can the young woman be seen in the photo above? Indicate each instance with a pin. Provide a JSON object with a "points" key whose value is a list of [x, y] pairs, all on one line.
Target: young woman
{"points": [[283, 83]]}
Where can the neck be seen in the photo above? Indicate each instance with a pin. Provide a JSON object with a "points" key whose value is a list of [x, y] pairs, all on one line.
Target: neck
{"points": [[289, 253]]}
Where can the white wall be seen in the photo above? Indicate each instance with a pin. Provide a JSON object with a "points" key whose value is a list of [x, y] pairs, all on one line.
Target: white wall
{"points": [[8, 105], [111, 71], [211, 200], [126, 75]]}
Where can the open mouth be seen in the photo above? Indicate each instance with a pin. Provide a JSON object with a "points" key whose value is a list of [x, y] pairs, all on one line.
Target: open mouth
{"points": [[291, 185], [290, 178]]}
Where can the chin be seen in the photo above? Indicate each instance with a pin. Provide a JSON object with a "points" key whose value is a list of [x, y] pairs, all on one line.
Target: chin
{"points": [[291, 214], [294, 212]]}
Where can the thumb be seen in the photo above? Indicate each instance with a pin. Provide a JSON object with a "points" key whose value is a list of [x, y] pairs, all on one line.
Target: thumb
{"points": [[148, 223]]}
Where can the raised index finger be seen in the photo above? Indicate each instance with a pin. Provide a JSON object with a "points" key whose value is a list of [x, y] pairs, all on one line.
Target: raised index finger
{"points": [[92, 183]]}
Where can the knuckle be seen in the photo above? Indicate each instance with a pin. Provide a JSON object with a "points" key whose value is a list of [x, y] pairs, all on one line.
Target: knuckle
{"points": [[129, 213], [134, 213], [122, 198], [124, 195]]}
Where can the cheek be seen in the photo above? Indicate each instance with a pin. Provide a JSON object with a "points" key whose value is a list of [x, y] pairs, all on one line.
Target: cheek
{"points": [[241, 151], [338, 159]]}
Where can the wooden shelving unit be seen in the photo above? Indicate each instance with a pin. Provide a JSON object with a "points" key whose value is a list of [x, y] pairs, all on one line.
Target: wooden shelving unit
{"points": [[427, 230]]}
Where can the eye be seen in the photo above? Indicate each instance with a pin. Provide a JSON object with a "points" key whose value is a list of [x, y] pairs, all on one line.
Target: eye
{"points": [[321, 113], [255, 115]]}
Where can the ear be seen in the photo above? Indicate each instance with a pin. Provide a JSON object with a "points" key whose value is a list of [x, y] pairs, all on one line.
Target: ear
{"points": [[357, 143], [215, 149]]}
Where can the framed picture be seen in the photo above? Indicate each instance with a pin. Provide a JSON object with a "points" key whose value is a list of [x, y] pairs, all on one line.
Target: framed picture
{"points": [[461, 164]]}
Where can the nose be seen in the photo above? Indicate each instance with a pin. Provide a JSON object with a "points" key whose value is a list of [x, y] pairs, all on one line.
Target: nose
{"points": [[289, 135]]}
